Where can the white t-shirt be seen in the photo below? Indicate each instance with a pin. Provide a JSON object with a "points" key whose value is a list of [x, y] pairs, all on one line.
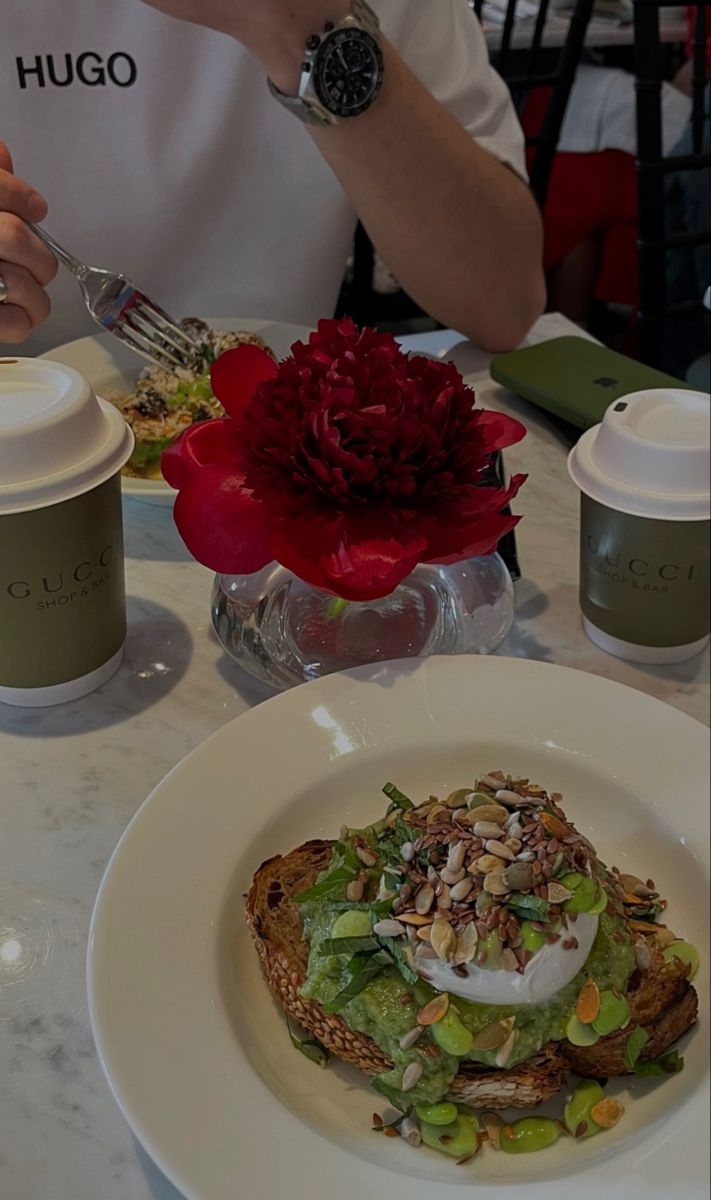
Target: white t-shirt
{"points": [[162, 155]]}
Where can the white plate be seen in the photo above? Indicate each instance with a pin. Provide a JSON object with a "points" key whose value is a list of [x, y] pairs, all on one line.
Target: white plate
{"points": [[195, 1050], [111, 366]]}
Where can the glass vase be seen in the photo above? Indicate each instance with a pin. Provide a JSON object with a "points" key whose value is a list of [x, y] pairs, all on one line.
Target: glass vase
{"points": [[284, 632]]}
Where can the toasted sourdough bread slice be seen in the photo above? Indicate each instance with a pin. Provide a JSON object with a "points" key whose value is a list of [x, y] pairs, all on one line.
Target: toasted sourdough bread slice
{"points": [[664, 1002]]}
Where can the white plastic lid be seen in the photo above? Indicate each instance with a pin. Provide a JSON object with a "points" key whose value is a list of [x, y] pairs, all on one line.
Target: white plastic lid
{"points": [[57, 439], [650, 456]]}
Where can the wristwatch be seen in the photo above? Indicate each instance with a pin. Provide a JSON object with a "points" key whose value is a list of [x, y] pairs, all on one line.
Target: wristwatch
{"points": [[342, 70]]}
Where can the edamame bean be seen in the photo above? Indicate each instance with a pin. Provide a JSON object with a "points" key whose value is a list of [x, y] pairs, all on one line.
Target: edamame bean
{"points": [[583, 897], [354, 922], [460, 1140], [577, 1111], [601, 902], [492, 944], [571, 880], [531, 939], [579, 1034], [614, 1013], [437, 1114], [528, 1134], [686, 953], [451, 1035]]}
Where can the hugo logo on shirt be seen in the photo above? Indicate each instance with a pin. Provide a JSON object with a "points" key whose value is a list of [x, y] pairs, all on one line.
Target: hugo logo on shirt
{"points": [[88, 68]]}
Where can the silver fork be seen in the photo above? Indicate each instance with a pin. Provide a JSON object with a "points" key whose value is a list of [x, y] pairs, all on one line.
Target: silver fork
{"points": [[121, 308]]}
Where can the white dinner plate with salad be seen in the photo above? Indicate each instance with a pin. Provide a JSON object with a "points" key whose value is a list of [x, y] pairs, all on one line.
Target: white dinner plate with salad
{"points": [[113, 370], [196, 1051]]}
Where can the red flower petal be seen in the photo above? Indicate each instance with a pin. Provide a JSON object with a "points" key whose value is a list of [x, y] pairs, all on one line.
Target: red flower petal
{"points": [[221, 523], [346, 556], [500, 431], [236, 374], [202, 443], [483, 538]]}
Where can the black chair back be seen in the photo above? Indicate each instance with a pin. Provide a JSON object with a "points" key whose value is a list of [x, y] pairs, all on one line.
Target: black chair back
{"points": [[654, 169], [525, 67]]}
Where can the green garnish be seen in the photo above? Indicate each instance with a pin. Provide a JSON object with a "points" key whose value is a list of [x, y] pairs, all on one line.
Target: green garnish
{"points": [[635, 1045], [667, 1064], [397, 798], [531, 908], [347, 945], [401, 961], [309, 1047], [362, 971], [331, 885]]}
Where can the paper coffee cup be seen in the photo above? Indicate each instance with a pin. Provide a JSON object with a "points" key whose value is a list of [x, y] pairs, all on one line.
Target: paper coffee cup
{"points": [[62, 593], [643, 474]]}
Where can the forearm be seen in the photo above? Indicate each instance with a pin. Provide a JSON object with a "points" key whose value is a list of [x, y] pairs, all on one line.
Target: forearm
{"points": [[459, 230]]}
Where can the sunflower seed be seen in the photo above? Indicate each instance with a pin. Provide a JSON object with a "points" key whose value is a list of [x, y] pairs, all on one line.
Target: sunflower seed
{"points": [[509, 798], [642, 955], [412, 1076], [367, 857], [499, 849], [461, 890], [408, 1039], [449, 876], [458, 798], [494, 1035], [514, 844], [388, 928], [444, 900], [410, 1131], [455, 858], [466, 945], [407, 852], [526, 856], [355, 890], [488, 829], [424, 898], [424, 933], [492, 781]]}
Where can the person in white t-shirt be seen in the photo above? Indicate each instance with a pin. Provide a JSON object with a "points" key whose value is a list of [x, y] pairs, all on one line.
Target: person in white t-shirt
{"points": [[153, 146]]}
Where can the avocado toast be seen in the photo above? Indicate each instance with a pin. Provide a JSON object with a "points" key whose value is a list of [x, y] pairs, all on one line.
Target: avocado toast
{"points": [[485, 951]]}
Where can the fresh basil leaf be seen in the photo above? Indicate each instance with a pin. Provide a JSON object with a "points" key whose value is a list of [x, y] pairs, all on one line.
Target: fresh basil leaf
{"points": [[401, 961], [667, 1064], [331, 885], [534, 907], [347, 945], [634, 1046], [310, 1047], [345, 851], [397, 798], [362, 971]]}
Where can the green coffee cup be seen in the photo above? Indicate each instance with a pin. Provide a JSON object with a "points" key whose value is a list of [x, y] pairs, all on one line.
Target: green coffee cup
{"points": [[644, 526], [62, 594]]}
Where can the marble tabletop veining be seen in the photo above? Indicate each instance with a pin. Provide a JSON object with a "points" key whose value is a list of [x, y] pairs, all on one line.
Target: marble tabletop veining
{"points": [[73, 776]]}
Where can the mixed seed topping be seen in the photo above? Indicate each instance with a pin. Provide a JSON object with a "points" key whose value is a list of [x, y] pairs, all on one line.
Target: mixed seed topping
{"points": [[472, 869]]}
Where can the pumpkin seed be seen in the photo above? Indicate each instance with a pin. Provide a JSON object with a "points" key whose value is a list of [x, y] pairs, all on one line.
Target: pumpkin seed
{"points": [[495, 813], [367, 857], [519, 876], [607, 1112], [434, 1011], [447, 875], [355, 890], [557, 893], [458, 798], [443, 939], [486, 863], [494, 1035], [495, 884], [587, 1007], [410, 1131], [423, 933], [415, 919]]}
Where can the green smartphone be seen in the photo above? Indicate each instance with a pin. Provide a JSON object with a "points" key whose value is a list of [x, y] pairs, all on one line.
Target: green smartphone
{"points": [[574, 378]]}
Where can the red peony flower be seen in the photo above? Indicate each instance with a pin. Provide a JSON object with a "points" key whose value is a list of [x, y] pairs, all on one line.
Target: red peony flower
{"points": [[349, 463]]}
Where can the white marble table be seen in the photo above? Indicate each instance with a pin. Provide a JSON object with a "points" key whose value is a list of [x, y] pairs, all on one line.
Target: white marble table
{"points": [[72, 777]]}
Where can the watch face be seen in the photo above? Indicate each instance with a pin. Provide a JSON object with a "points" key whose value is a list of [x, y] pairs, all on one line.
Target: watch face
{"points": [[349, 72]]}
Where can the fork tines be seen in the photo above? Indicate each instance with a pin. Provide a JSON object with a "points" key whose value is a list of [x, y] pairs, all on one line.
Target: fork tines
{"points": [[149, 331]]}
